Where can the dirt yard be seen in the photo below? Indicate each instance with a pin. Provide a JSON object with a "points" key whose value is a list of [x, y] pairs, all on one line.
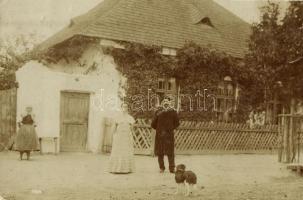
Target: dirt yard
{"points": [[77, 176]]}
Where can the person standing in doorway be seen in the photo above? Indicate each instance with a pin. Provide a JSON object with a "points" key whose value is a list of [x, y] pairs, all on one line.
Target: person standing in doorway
{"points": [[165, 122], [27, 139]]}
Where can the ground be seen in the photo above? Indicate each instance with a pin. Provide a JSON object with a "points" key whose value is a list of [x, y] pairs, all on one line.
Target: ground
{"points": [[83, 176]]}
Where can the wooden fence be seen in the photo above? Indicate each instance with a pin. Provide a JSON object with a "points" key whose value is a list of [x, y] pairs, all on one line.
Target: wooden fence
{"points": [[290, 137], [8, 102], [204, 137]]}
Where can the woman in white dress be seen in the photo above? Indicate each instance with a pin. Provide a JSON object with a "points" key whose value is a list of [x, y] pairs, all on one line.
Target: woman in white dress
{"points": [[122, 154]]}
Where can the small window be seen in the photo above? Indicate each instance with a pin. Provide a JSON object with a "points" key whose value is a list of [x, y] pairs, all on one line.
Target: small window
{"points": [[161, 84], [169, 86], [197, 16], [165, 84], [206, 21], [230, 89], [221, 88]]}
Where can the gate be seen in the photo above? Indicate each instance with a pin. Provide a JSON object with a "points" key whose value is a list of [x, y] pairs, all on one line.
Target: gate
{"points": [[8, 105], [290, 137]]}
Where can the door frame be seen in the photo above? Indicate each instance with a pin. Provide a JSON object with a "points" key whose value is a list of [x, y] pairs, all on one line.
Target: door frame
{"points": [[88, 114]]}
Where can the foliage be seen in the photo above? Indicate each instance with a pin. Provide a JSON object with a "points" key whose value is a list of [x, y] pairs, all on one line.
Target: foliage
{"points": [[7, 81], [69, 50], [142, 66], [273, 45], [202, 68], [196, 68], [291, 34], [292, 31], [264, 58], [14, 53]]}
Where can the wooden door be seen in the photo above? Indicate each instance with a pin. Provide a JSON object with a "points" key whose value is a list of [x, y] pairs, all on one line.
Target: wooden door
{"points": [[74, 121]]}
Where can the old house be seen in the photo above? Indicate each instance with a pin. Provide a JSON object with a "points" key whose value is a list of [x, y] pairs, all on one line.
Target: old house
{"points": [[72, 97]]}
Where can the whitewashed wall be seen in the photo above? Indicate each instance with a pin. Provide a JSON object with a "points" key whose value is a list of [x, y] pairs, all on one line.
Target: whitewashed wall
{"points": [[40, 87]]}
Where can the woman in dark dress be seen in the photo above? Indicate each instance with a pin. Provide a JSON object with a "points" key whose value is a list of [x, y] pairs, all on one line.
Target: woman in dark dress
{"points": [[26, 140]]}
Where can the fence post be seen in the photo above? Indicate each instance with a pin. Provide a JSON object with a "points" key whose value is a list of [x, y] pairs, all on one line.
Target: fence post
{"points": [[284, 138], [291, 130], [298, 154], [280, 137]]}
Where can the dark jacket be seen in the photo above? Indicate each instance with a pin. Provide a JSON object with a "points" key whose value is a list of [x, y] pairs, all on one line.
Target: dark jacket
{"points": [[165, 122]]}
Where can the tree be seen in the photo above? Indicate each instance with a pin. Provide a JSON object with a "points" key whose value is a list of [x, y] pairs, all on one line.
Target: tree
{"points": [[291, 45], [263, 59], [15, 51], [276, 54]]}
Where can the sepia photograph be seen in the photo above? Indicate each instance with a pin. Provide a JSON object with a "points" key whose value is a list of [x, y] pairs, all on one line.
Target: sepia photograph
{"points": [[151, 100]]}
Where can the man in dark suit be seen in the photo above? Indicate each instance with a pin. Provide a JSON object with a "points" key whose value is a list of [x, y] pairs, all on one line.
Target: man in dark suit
{"points": [[165, 122]]}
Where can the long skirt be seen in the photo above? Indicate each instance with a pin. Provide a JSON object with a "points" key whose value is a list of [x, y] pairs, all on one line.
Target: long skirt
{"points": [[26, 139], [122, 154]]}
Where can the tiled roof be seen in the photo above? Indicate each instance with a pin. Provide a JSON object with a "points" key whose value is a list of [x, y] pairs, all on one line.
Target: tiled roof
{"points": [[167, 23]]}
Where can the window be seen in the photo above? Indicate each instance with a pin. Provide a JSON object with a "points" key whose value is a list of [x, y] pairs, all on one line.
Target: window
{"points": [[169, 52], [161, 84], [166, 85], [198, 17], [206, 21], [167, 88], [230, 89], [225, 99], [220, 89]]}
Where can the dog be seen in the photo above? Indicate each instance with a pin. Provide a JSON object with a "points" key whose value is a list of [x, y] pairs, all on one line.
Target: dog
{"points": [[185, 179]]}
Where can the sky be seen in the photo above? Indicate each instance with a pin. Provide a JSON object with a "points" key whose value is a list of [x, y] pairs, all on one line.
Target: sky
{"points": [[46, 17]]}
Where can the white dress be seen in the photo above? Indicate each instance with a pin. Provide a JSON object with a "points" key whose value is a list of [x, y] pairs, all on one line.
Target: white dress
{"points": [[122, 154]]}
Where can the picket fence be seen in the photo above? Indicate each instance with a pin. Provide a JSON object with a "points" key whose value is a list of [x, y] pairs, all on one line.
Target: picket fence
{"points": [[205, 137]]}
